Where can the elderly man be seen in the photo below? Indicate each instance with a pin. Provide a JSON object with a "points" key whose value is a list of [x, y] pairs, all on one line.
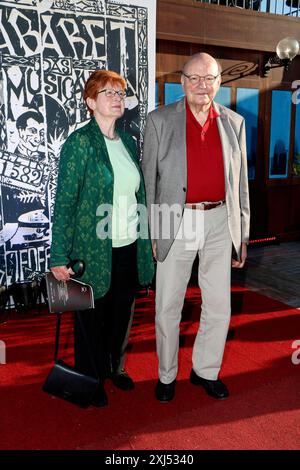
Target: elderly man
{"points": [[195, 170]]}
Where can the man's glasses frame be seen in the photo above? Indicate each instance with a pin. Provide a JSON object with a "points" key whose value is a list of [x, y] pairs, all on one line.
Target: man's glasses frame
{"points": [[195, 79], [111, 93]]}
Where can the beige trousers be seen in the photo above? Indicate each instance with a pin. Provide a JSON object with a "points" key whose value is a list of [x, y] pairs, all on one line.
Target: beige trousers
{"points": [[205, 233]]}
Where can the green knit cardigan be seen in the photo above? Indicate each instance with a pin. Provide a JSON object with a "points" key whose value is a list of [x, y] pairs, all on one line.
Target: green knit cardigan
{"points": [[85, 181]]}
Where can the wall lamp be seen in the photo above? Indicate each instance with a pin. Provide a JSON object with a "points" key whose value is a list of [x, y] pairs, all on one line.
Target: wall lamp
{"points": [[286, 50]]}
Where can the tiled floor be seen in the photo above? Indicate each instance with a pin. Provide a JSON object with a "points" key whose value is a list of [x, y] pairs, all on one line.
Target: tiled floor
{"points": [[274, 271]]}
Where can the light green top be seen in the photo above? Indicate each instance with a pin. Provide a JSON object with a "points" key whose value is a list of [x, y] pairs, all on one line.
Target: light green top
{"points": [[126, 184]]}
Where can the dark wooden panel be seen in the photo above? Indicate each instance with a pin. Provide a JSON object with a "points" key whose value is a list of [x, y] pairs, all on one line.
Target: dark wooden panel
{"points": [[188, 21], [240, 67]]}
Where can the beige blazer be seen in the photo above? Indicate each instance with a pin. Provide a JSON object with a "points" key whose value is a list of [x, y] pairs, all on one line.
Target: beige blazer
{"points": [[165, 172]]}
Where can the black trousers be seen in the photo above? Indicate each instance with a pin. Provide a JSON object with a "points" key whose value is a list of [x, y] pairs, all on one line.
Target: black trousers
{"points": [[106, 325]]}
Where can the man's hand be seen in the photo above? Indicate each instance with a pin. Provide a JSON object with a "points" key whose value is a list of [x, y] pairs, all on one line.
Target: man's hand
{"points": [[62, 273], [240, 264]]}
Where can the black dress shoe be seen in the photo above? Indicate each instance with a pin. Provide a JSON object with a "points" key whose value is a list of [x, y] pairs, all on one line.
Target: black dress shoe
{"points": [[165, 392], [100, 399], [123, 381], [214, 388]]}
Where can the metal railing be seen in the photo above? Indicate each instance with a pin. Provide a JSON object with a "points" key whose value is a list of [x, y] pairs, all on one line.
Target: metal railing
{"points": [[279, 7]]}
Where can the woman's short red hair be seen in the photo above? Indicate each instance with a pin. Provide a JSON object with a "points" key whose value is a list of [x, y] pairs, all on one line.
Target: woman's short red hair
{"points": [[98, 80]]}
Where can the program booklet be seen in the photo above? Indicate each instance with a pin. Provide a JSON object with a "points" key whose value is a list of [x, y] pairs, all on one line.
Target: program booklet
{"points": [[65, 296]]}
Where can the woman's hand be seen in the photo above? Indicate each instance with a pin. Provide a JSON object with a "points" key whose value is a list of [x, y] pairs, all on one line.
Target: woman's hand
{"points": [[62, 273], [154, 249]]}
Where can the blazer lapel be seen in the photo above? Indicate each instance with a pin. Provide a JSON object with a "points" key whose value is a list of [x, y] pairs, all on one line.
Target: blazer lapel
{"points": [[180, 137], [225, 132]]}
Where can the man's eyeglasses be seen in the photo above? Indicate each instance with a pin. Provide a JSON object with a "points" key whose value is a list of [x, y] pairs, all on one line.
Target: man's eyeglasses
{"points": [[110, 93], [195, 79]]}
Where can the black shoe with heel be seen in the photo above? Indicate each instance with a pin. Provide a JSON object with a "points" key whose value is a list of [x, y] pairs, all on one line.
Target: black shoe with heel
{"points": [[122, 381]]}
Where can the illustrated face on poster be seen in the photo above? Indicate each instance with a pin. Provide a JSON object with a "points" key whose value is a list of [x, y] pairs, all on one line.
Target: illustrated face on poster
{"points": [[48, 50], [30, 126]]}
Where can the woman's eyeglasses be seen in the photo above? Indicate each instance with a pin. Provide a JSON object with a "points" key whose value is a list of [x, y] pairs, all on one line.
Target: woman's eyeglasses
{"points": [[110, 93]]}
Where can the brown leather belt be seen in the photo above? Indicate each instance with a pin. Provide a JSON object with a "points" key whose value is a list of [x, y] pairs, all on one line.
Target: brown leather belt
{"points": [[205, 206]]}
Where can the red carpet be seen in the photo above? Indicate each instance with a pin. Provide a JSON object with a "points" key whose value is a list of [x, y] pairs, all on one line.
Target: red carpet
{"points": [[262, 412]]}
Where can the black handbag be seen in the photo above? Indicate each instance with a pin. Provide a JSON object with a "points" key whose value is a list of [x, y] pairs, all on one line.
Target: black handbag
{"points": [[65, 381]]}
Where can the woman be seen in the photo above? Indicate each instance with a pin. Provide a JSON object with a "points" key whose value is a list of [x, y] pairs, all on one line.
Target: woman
{"points": [[99, 179]]}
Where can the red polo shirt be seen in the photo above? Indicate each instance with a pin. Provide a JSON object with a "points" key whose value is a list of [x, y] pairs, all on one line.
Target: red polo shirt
{"points": [[205, 166]]}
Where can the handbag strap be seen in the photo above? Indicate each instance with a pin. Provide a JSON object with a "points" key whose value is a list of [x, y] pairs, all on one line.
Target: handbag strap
{"points": [[57, 335]]}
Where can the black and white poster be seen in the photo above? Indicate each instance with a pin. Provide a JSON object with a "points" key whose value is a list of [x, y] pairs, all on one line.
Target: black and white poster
{"points": [[48, 48]]}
